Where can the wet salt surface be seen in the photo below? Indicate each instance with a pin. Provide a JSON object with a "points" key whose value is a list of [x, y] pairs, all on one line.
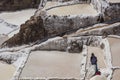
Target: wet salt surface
{"points": [[99, 77], [77, 9], [116, 75], [50, 4], [52, 64], [17, 17], [115, 50], [6, 71]]}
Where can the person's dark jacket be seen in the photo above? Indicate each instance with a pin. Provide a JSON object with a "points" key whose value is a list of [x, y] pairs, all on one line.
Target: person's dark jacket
{"points": [[93, 60]]}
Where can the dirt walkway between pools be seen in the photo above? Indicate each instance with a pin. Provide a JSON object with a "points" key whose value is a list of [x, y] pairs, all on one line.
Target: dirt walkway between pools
{"points": [[6, 71], [115, 50], [76, 9], [52, 64]]}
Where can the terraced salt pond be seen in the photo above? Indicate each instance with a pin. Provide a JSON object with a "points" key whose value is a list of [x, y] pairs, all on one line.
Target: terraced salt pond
{"points": [[77, 9], [50, 4], [116, 75], [6, 71], [52, 64], [115, 50], [17, 17]]}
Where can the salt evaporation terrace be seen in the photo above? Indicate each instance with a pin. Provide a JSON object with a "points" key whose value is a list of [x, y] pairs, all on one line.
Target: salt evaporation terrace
{"points": [[50, 4], [76, 9], [52, 64], [15, 17], [61, 65], [115, 50], [6, 71]]}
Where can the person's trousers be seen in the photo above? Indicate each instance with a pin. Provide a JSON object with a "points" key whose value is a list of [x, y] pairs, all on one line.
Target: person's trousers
{"points": [[96, 68]]}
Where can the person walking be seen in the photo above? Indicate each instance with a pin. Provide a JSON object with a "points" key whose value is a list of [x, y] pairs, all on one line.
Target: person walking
{"points": [[93, 60]]}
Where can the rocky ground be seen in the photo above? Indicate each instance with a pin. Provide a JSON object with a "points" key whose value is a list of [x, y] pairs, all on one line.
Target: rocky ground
{"points": [[12, 5]]}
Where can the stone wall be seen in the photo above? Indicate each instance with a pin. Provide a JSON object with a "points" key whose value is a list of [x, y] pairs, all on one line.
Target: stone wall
{"points": [[43, 26], [100, 5], [70, 44], [60, 25], [79, 1], [31, 31], [108, 10], [105, 30], [112, 12], [10, 5]]}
